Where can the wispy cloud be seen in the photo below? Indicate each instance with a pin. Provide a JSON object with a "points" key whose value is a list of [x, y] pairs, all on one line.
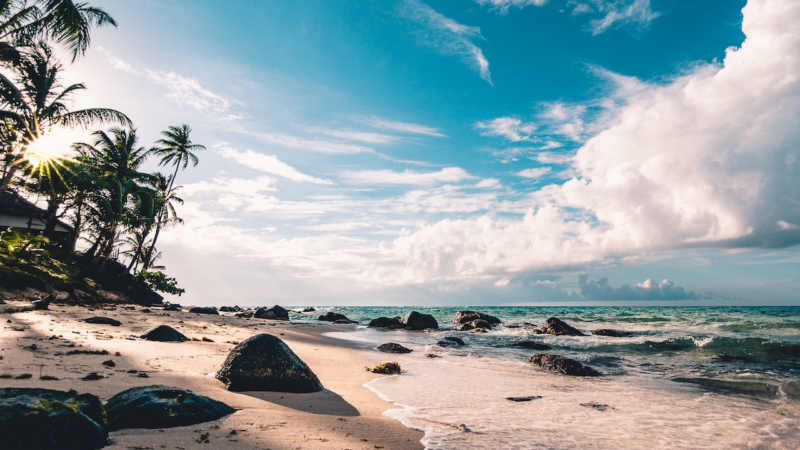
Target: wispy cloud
{"points": [[407, 177], [511, 128], [268, 164], [536, 172], [358, 136], [401, 127], [313, 145], [447, 36]]}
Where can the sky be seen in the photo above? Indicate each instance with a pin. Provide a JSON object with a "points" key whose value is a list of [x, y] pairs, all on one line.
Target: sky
{"points": [[474, 152]]}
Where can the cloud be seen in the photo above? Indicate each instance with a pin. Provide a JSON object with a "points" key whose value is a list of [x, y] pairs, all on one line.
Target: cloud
{"points": [[447, 36], [511, 128], [359, 136], [402, 127], [312, 145], [409, 177], [268, 164], [606, 14], [536, 172], [647, 290]]}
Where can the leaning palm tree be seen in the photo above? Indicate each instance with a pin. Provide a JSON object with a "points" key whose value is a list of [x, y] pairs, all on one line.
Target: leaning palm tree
{"points": [[177, 149], [35, 104], [61, 21], [164, 200]]}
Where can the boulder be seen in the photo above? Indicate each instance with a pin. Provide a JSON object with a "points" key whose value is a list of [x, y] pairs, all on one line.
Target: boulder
{"points": [[558, 327], [385, 322], [244, 314], [567, 366], [173, 308], [387, 368], [611, 333], [235, 308], [274, 313], [45, 419], [161, 407], [391, 347], [477, 323], [344, 321], [463, 317], [164, 333], [205, 310], [103, 321], [532, 345], [307, 310], [264, 363], [458, 341], [417, 321], [331, 316], [446, 344]]}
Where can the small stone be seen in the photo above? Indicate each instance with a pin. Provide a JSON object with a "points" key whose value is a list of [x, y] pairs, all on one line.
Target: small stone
{"points": [[392, 347]]}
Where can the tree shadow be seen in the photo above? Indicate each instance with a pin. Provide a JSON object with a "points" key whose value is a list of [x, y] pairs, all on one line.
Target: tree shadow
{"points": [[324, 402]]}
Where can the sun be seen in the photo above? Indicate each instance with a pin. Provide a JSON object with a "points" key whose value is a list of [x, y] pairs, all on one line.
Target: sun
{"points": [[57, 144]]}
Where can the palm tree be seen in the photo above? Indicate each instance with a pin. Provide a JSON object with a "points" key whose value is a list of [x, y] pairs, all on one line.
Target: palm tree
{"points": [[176, 149], [61, 21], [36, 106]]}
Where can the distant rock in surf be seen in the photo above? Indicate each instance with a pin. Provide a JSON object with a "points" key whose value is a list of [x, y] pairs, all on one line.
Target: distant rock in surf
{"points": [[392, 347], [235, 308], [458, 341], [210, 310], [331, 316], [611, 333], [561, 364], [274, 313], [463, 317], [558, 327], [265, 363], [418, 321], [531, 345], [386, 322]]}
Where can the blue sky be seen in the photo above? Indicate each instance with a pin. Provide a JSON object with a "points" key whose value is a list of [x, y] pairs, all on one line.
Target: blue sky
{"points": [[470, 152]]}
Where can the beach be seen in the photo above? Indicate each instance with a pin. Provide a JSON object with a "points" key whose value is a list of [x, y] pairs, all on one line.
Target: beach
{"points": [[345, 415]]}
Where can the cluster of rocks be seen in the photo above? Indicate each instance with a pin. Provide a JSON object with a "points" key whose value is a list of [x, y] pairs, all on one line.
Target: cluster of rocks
{"points": [[45, 419], [474, 321], [412, 321], [336, 318]]}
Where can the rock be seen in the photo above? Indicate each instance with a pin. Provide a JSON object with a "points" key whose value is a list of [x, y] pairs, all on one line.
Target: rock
{"points": [[274, 313], [307, 310], [344, 321], [391, 347], [567, 366], [533, 345], [205, 310], [244, 315], [264, 363], [164, 333], [44, 419], [596, 406], [172, 308], [94, 376], [524, 399], [331, 316], [387, 368], [417, 321], [431, 355], [385, 322], [477, 323], [455, 339], [446, 344], [44, 304], [83, 297], [161, 407], [103, 321], [611, 333], [558, 327], [463, 317]]}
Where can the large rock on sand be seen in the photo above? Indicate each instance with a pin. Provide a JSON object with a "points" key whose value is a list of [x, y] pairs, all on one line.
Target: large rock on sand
{"points": [[558, 327], [103, 321], [418, 321], [386, 322], [161, 407], [331, 316], [274, 313], [561, 364], [210, 310], [44, 419], [264, 363], [392, 347], [164, 333], [463, 317]]}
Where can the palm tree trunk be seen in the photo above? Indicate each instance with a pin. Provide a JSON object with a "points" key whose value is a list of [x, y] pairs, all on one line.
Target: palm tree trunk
{"points": [[160, 218]]}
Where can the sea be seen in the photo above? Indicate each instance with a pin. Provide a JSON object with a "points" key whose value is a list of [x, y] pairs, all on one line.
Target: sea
{"points": [[685, 378]]}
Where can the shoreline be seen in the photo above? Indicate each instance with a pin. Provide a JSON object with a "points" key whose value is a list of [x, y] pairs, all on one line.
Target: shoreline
{"points": [[345, 415]]}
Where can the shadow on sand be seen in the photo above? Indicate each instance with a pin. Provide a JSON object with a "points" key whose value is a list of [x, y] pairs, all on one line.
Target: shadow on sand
{"points": [[324, 402]]}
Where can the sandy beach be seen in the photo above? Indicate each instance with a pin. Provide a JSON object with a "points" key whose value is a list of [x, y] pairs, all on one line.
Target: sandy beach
{"points": [[345, 415]]}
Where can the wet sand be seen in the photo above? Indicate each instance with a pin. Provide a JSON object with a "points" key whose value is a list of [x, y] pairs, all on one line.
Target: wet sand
{"points": [[344, 416]]}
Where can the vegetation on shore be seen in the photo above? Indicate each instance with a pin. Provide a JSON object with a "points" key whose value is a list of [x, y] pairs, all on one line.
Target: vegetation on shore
{"points": [[115, 209]]}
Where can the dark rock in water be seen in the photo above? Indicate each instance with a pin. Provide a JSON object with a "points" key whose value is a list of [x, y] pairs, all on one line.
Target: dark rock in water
{"points": [[235, 308], [205, 310], [264, 363], [164, 333], [103, 321], [385, 322], [331, 316], [524, 399], [563, 365], [161, 407], [475, 324], [417, 321], [454, 339], [344, 321], [391, 347], [305, 310], [533, 345], [738, 387], [558, 327], [45, 419], [446, 344], [274, 313], [596, 406], [463, 317], [611, 333], [172, 308]]}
